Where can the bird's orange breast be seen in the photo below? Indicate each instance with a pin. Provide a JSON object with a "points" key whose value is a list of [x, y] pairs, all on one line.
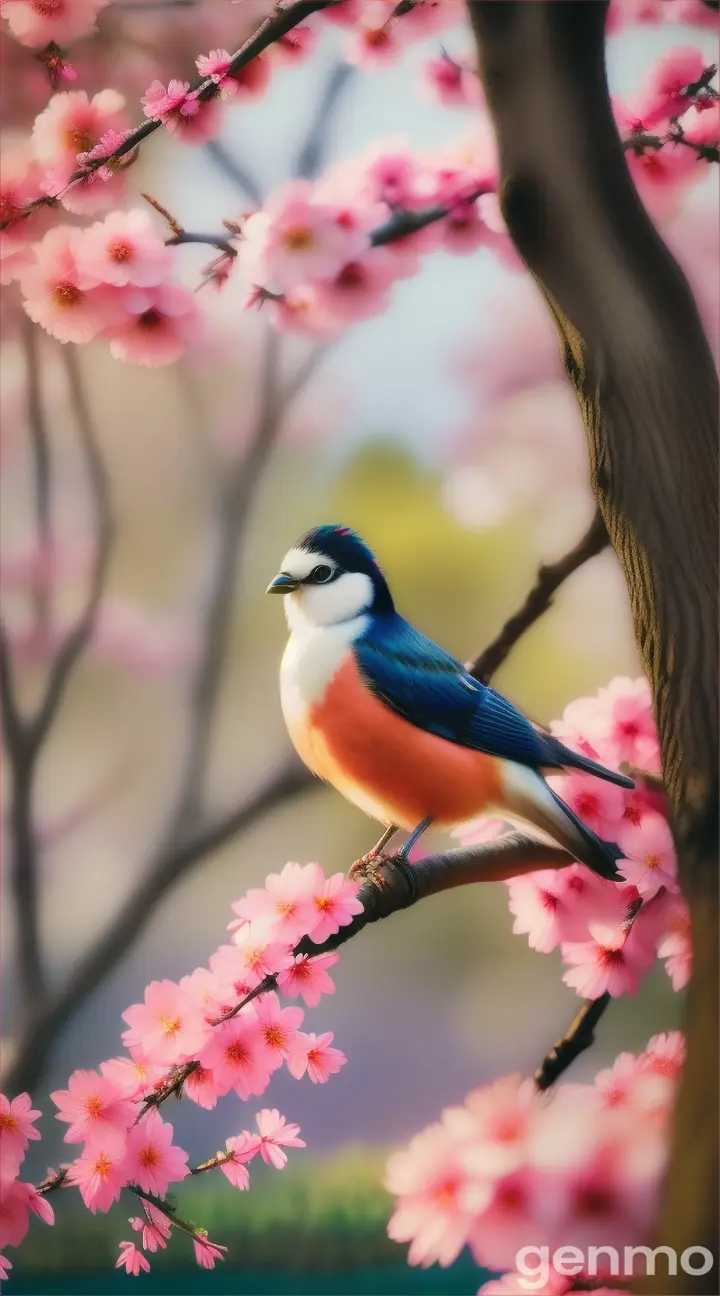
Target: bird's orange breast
{"points": [[386, 764]]}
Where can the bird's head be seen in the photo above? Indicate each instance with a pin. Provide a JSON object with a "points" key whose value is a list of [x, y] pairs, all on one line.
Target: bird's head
{"points": [[330, 576]]}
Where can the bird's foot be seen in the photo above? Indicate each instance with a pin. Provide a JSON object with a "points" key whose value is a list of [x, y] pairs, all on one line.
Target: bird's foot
{"points": [[367, 868], [371, 868]]}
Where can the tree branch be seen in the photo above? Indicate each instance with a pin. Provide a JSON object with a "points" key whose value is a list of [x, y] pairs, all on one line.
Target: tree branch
{"points": [[579, 1036], [270, 30], [234, 516], [313, 151], [540, 597], [40, 442], [637, 357], [77, 640], [234, 171]]}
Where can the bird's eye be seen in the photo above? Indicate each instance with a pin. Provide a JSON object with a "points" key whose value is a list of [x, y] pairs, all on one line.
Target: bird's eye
{"points": [[319, 575]]}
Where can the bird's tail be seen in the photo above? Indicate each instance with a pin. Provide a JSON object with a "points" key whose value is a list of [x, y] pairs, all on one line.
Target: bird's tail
{"points": [[570, 759], [596, 854]]}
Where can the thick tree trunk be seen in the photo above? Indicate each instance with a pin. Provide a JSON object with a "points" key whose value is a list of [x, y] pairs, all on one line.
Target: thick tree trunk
{"points": [[636, 354]]}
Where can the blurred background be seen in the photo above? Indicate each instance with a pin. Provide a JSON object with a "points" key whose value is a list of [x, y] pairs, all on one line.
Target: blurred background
{"points": [[444, 432]]}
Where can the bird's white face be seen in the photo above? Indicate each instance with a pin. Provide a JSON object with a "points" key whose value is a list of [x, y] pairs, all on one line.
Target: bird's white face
{"points": [[325, 595]]}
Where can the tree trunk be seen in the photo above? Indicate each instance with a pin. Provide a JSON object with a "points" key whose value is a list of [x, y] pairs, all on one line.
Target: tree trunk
{"points": [[636, 355]]}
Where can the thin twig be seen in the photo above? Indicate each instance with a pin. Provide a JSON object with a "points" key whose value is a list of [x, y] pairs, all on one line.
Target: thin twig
{"points": [[212, 240], [312, 153], [235, 171], [270, 30], [547, 582], [40, 442], [234, 510], [79, 637], [578, 1037]]}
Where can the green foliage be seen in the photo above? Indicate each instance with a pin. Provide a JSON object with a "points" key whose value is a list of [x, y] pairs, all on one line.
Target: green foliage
{"points": [[314, 1215]]}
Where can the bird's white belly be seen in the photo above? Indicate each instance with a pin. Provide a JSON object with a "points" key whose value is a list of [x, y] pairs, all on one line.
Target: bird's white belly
{"points": [[311, 659]]}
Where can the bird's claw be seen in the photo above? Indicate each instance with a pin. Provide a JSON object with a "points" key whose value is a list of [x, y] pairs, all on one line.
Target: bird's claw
{"points": [[369, 869]]}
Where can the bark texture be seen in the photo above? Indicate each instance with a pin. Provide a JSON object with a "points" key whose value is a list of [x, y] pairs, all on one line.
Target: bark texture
{"points": [[637, 357]]}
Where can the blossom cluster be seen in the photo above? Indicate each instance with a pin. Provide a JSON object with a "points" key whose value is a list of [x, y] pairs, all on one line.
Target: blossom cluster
{"points": [[671, 124], [326, 254], [200, 1037], [513, 1168], [18, 1199], [322, 255], [609, 933]]}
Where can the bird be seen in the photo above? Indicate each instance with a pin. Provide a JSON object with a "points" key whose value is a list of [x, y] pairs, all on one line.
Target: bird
{"points": [[397, 724]]}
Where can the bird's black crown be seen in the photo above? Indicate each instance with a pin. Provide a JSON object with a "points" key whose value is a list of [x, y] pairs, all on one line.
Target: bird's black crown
{"points": [[351, 554]]}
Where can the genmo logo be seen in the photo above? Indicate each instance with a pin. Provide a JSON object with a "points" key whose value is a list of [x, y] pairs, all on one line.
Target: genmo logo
{"points": [[536, 1264]]}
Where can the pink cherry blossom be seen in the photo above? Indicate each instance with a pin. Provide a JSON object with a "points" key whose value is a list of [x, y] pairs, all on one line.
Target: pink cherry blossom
{"points": [[312, 1053], [297, 311], [514, 1284], [237, 1055], [583, 726], [132, 1076], [152, 1161], [131, 1259], [599, 804], [206, 1252], [279, 1027], [70, 125], [361, 287], [54, 21], [630, 731], [17, 1127], [375, 43], [345, 13], [336, 902], [243, 1147], [255, 956], [452, 82], [167, 1025], [200, 1088], [94, 1109], [20, 185], [614, 960], [212, 995], [60, 296], [308, 978], [155, 1228], [251, 81], [171, 104], [663, 94], [17, 1200], [428, 1179], [5, 1267], [702, 123], [649, 855], [665, 1054], [675, 946], [159, 324], [275, 1134], [215, 66], [284, 909], [616, 1084], [293, 46], [125, 248], [296, 238], [556, 905], [100, 1175]]}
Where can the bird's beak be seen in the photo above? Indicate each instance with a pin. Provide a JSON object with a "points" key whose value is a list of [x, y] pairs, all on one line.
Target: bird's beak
{"points": [[282, 584]]}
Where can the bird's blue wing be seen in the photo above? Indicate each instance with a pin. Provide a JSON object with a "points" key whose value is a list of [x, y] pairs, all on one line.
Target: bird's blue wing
{"points": [[432, 689]]}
